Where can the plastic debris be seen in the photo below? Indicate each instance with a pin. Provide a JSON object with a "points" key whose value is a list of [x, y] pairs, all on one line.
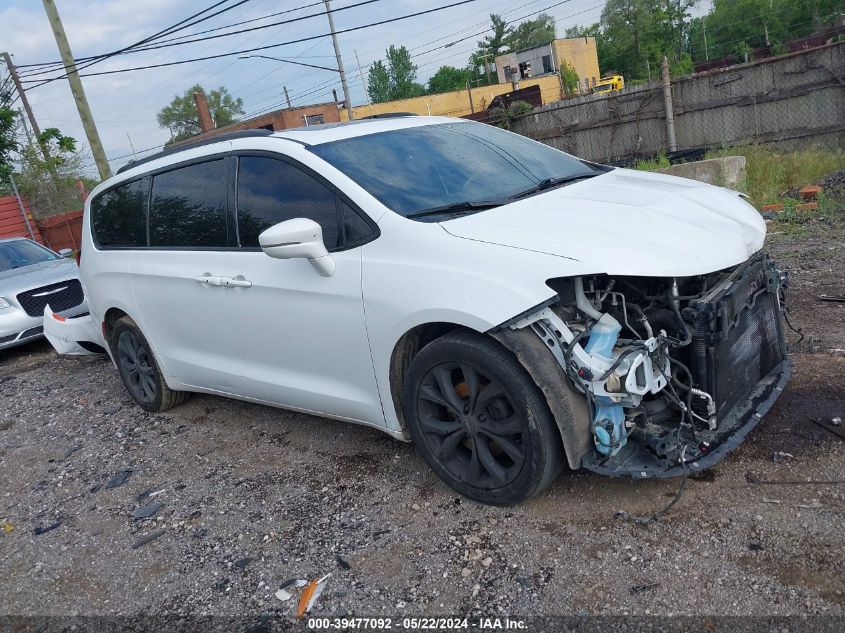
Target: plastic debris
{"points": [[299, 584], [766, 500], [282, 595], [119, 479], [779, 456], [147, 539], [242, 563], [837, 421], [814, 504], [646, 587], [343, 563], [43, 530], [310, 594], [145, 512], [6, 527]]}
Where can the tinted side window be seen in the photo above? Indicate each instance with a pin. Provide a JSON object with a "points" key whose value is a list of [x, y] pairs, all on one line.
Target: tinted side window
{"points": [[272, 191], [119, 216], [188, 207], [353, 229]]}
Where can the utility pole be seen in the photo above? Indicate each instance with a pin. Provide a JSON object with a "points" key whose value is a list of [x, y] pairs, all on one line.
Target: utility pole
{"points": [[667, 104], [287, 98], [25, 101], [363, 83], [340, 70], [77, 90]]}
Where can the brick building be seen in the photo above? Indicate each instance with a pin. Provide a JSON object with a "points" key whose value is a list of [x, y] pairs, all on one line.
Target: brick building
{"points": [[276, 120]]}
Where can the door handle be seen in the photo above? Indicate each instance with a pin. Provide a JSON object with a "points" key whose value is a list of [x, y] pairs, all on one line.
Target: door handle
{"points": [[209, 279], [236, 282]]}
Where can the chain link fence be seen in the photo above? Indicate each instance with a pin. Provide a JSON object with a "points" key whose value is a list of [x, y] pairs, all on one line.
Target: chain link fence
{"points": [[793, 99]]}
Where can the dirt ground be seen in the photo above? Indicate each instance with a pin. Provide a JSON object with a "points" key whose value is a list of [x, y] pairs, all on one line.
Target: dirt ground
{"points": [[254, 498]]}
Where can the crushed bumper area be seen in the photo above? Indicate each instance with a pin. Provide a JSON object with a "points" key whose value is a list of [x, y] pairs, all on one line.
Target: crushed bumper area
{"points": [[639, 463]]}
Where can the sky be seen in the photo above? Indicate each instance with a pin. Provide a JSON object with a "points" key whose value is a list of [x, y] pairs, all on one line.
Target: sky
{"points": [[125, 105]]}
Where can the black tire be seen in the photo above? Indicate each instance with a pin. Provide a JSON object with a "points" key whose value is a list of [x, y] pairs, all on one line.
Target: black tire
{"points": [[493, 438], [139, 370]]}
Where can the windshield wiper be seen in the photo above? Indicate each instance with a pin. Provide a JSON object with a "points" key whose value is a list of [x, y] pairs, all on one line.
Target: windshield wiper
{"points": [[459, 207], [550, 183]]}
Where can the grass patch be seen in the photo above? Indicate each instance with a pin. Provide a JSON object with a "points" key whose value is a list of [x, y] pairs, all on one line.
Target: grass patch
{"points": [[770, 173], [661, 161]]}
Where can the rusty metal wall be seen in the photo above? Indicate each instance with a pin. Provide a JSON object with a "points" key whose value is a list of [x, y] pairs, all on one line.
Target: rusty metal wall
{"points": [[794, 98]]}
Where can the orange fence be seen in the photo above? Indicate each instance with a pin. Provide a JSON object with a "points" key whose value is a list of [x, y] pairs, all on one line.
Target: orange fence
{"points": [[12, 223], [62, 231]]}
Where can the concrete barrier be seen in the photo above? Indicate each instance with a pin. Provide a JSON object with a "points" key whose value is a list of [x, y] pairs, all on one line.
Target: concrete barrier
{"points": [[725, 172]]}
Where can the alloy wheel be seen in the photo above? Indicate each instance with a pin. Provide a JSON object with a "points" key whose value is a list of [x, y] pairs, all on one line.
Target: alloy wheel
{"points": [[472, 425], [137, 367]]}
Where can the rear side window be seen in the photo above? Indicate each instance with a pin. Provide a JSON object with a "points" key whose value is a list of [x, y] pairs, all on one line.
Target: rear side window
{"points": [[119, 216], [188, 207]]}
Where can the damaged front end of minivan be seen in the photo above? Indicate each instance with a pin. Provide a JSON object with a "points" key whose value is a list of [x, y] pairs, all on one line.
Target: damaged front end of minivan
{"points": [[673, 373]]}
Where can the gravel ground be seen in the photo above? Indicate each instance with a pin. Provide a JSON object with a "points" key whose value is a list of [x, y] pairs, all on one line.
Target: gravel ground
{"points": [[252, 498]]}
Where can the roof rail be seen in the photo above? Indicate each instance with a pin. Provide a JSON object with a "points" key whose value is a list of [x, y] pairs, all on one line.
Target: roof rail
{"points": [[226, 136]]}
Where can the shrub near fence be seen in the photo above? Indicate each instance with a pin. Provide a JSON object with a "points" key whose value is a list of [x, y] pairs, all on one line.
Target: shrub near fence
{"points": [[796, 98]]}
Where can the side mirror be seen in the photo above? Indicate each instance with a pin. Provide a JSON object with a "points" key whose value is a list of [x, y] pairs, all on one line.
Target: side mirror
{"points": [[66, 252], [295, 239]]}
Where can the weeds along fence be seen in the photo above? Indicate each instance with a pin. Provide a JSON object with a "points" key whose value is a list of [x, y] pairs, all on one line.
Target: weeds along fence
{"points": [[795, 99]]}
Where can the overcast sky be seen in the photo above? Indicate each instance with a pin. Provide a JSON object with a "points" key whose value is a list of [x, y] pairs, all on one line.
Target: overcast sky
{"points": [[125, 104]]}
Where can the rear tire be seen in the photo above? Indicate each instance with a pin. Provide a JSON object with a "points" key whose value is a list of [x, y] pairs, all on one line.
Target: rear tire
{"points": [[139, 370], [480, 421]]}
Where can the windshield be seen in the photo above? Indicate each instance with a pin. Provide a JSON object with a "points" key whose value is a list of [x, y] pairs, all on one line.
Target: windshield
{"points": [[20, 253], [434, 166], [602, 88]]}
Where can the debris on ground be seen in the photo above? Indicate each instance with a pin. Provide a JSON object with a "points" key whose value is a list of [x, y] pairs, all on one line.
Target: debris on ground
{"points": [[646, 587], [310, 594], [119, 479], [283, 595], [780, 456], [43, 530], [145, 512], [7, 527], [343, 563], [242, 563], [147, 539], [837, 421], [72, 450], [814, 504]]}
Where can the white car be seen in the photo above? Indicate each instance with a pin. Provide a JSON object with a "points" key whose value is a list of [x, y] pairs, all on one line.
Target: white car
{"points": [[508, 307]]}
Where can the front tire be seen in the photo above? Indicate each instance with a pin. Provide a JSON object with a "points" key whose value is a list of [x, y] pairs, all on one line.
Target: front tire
{"points": [[479, 420], [139, 370]]}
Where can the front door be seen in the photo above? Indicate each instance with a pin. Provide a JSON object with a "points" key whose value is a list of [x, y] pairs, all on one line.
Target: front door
{"points": [[301, 337]]}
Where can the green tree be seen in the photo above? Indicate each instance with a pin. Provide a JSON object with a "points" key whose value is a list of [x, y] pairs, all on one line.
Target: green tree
{"points": [[395, 79], [181, 116], [569, 78], [8, 139], [495, 44], [532, 33], [378, 83], [50, 185], [448, 78]]}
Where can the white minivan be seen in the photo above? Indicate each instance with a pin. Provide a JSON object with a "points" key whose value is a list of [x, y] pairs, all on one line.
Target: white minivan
{"points": [[510, 308]]}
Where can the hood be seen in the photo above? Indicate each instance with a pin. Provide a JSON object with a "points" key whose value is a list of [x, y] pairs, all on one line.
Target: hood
{"points": [[627, 222], [42, 274]]}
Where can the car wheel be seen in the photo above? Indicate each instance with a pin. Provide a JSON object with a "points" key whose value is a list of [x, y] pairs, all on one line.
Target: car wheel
{"points": [[479, 420], [139, 369]]}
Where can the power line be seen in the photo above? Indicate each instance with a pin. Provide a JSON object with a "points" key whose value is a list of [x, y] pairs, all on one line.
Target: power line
{"points": [[260, 48], [355, 83], [169, 43], [164, 32]]}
